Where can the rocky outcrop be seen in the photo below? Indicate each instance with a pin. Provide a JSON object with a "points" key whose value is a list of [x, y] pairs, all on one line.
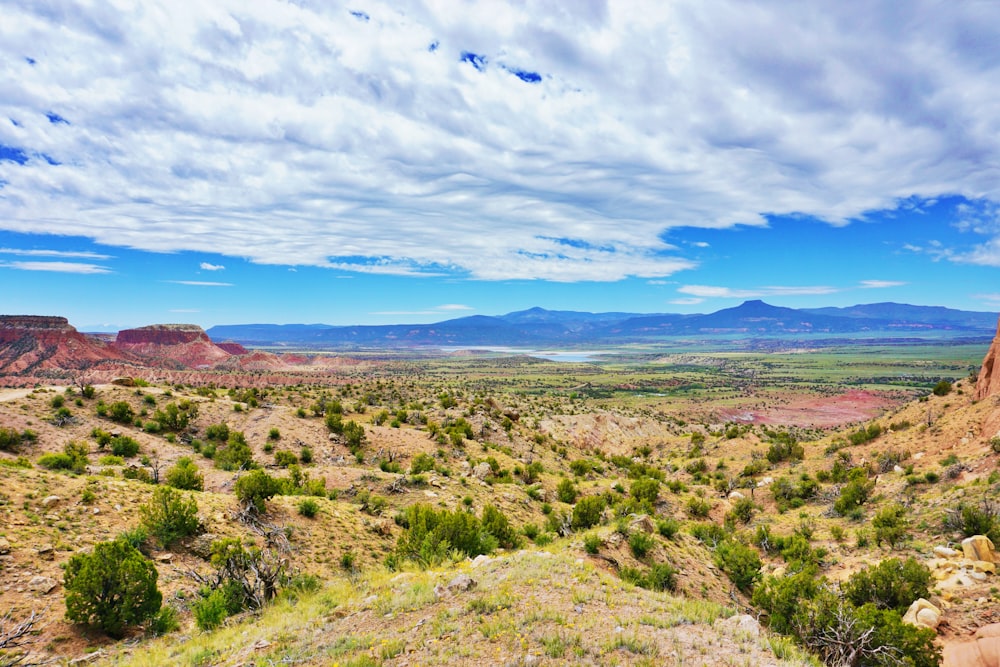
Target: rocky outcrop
{"points": [[48, 347], [982, 651], [187, 344], [234, 348], [988, 383]]}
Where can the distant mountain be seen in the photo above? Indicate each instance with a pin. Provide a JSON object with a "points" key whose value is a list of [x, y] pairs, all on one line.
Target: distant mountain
{"points": [[901, 313], [538, 326]]}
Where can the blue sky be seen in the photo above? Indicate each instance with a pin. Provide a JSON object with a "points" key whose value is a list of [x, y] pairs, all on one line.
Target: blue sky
{"points": [[377, 162]]}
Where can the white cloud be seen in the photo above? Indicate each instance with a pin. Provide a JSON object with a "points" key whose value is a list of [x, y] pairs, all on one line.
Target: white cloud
{"points": [[199, 283], [68, 254], [205, 266], [989, 299], [57, 267], [294, 133], [687, 301], [708, 291], [453, 306], [879, 284]]}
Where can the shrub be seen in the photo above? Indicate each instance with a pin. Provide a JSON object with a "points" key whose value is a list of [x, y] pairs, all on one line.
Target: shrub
{"points": [[217, 432], [111, 588], [73, 458], [890, 525], [855, 493], [305, 455], [56, 461], [698, 508], [496, 524], [308, 508], [740, 563], [971, 519], [942, 388], [185, 475], [120, 412], [274, 434], [168, 516], [566, 490], [662, 577], [640, 543], [236, 455], [587, 512], [892, 584], [421, 463], [164, 621], [668, 527], [9, 439], [255, 488], [742, 511], [211, 611], [124, 446], [431, 534], [592, 543], [645, 489], [285, 458]]}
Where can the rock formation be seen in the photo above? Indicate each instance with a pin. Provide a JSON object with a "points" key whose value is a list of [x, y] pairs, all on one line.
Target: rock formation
{"points": [[988, 382], [48, 347], [234, 348], [187, 344]]}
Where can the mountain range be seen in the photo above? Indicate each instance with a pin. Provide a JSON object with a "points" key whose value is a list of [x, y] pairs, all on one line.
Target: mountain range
{"points": [[538, 326]]}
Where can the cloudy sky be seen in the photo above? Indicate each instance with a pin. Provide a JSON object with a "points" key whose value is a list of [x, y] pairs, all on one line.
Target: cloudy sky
{"points": [[311, 161]]}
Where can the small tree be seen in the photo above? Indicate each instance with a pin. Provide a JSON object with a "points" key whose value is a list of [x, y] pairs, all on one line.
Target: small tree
{"points": [[112, 588], [566, 490], [185, 475], [168, 516], [256, 488], [236, 455]]}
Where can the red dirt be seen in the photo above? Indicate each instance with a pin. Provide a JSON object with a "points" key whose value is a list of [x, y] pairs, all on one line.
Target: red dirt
{"points": [[822, 411]]}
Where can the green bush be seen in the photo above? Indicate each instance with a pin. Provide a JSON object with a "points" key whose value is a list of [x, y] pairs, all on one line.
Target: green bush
{"points": [[58, 461], [661, 577], [124, 446], [742, 511], [111, 588], [942, 388], [668, 527], [169, 516], [185, 475], [236, 455], [120, 412], [255, 488], [640, 543], [10, 439], [698, 508], [285, 458], [592, 543], [308, 508], [211, 611], [587, 512], [740, 563], [495, 523], [855, 493], [217, 432], [890, 525], [421, 463], [72, 458], [645, 489], [566, 491], [892, 584], [430, 535]]}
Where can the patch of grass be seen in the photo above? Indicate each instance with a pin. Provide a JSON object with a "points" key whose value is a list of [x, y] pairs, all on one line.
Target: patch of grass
{"points": [[632, 643]]}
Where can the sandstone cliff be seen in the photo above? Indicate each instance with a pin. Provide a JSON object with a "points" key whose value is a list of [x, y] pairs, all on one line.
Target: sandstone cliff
{"points": [[187, 344], [988, 383], [48, 347]]}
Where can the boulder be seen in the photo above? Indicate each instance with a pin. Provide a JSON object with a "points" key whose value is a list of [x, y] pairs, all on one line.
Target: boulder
{"points": [[50, 501], [461, 582], [482, 470], [923, 614], [979, 547], [43, 585], [743, 624], [4, 546], [946, 552]]}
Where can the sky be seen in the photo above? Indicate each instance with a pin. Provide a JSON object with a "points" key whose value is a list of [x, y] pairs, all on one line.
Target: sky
{"points": [[242, 161]]}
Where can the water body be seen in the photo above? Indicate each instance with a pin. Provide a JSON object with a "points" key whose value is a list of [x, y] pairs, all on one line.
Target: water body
{"points": [[575, 356]]}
